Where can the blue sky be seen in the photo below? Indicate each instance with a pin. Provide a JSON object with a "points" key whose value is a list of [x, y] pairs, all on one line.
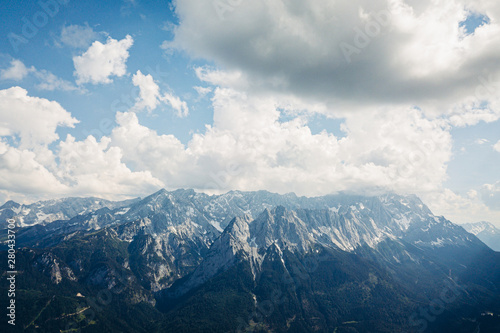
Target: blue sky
{"points": [[240, 95]]}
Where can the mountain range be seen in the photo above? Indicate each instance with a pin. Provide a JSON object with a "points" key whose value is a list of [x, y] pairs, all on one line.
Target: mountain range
{"points": [[182, 261]]}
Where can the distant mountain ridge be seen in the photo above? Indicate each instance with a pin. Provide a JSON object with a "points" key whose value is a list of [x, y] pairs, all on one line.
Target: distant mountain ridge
{"points": [[486, 232], [43, 212]]}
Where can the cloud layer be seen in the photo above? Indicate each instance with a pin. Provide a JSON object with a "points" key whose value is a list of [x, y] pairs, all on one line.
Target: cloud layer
{"points": [[249, 151], [395, 58], [28, 125]]}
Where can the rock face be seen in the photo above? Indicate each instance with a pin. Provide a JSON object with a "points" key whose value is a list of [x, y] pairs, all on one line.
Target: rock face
{"points": [[349, 229], [486, 232], [53, 268]]}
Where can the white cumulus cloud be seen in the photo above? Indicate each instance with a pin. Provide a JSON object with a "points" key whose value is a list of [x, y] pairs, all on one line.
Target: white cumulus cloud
{"points": [[29, 169], [22, 173], [496, 146], [92, 167], [101, 61], [149, 92], [34, 120], [150, 96], [144, 149], [181, 108], [17, 71]]}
